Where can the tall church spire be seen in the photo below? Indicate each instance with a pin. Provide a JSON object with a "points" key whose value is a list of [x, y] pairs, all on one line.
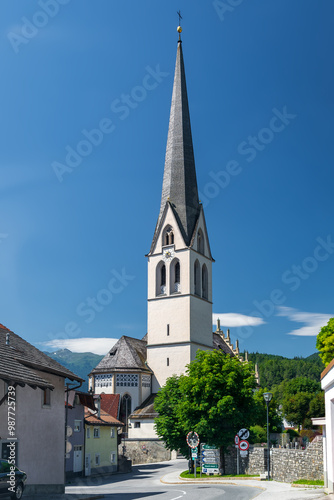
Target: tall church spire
{"points": [[179, 181]]}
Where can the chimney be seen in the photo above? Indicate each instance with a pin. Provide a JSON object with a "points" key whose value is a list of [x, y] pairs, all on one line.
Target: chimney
{"points": [[246, 356], [237, 346], [218, 325], [228, 339]]}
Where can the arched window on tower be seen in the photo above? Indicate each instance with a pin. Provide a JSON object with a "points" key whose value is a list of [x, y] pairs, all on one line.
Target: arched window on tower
{"points": [[175, 276], [204, 282], [200, 241], [168, 236], [197, 278], [160, 279]]}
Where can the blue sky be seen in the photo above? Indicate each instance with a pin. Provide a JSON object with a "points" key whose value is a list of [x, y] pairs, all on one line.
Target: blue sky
{"points": [[260, 87]]}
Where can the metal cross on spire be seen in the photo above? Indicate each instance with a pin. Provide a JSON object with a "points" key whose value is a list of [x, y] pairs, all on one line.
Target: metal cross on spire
{"points": [[179, 29], [180, 17]]}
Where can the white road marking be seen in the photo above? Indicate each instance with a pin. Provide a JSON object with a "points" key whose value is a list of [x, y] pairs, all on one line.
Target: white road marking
{"points": [[184, 493]]}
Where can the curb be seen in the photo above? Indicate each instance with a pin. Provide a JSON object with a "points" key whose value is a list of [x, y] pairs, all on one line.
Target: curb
{"points": [[182, 480]]}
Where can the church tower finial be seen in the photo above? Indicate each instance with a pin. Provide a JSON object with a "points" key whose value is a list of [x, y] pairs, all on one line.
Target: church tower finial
{"points": [[179, 29]]}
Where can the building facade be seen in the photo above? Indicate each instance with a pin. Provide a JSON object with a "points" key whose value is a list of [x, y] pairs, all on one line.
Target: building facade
{"points": [[37, 384]]}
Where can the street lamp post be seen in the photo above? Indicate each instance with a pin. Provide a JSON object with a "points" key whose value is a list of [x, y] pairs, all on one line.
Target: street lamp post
{"points": [[267, 396]]}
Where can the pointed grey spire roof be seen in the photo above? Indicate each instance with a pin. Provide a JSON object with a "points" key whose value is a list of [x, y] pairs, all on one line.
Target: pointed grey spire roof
{"points": [[179, 182]]}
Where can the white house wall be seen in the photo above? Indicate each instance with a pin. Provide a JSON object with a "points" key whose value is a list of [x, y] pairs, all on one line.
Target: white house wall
{"points": [[327, 383]]}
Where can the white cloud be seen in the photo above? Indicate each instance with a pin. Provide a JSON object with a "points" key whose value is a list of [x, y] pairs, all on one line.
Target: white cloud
{"points": [[235, 319], [87, 344], [312, 321]]}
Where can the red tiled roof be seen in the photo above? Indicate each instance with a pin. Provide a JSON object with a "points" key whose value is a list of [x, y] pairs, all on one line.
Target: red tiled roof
{"points": [[104, 419], [110, 404]]}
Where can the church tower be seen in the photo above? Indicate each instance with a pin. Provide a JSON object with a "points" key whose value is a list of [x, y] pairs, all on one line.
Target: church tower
{"points": [[179, 261]]}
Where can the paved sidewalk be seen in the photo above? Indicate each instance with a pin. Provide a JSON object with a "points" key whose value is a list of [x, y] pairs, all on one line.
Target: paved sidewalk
{"points": [[272, 490]]}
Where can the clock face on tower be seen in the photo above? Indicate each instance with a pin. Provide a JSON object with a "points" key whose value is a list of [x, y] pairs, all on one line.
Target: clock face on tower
{"points": [[168, 254]]}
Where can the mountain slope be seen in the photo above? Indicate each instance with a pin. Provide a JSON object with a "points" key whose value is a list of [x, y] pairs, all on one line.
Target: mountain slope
{"points": [[80, 363]]}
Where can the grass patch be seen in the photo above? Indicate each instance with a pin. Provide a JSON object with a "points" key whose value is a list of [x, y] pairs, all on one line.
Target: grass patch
{"points": [[316, 482], [185, 474]]}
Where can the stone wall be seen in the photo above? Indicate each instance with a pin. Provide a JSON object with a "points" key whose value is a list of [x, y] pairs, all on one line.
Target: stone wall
{"points": [[145, 451], [290, 465], [286, 465]]}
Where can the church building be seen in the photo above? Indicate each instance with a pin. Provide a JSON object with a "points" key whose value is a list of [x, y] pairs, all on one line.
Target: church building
{"points": [[179, 293]]}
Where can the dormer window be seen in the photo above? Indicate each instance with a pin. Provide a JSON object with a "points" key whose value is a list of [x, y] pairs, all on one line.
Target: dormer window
{"points": [[168, 238], [200, 241]]}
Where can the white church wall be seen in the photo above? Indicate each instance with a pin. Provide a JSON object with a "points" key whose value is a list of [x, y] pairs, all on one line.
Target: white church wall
{"points": [[145, 431], [104, 383], [167, 362], [172, 312]]}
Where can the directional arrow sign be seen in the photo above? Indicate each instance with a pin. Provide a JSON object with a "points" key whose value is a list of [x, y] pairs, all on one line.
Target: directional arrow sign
{"points": [[208, 447], [209, 460]]}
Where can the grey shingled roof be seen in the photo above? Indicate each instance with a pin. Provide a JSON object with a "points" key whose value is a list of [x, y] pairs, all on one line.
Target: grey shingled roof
{"points": [[179, 181], [127, 354], [19, 359], [146, 409]]}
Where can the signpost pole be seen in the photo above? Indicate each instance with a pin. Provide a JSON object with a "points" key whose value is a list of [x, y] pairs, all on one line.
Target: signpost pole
{"points": [[237, 460], [195, 466]]}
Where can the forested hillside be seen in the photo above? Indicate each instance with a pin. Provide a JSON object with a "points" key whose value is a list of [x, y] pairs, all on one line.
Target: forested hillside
{"points": [[274, 369], [295, 385]]}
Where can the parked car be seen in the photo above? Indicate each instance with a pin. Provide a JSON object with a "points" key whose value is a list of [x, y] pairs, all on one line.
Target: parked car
{"points": [[13, 479]]}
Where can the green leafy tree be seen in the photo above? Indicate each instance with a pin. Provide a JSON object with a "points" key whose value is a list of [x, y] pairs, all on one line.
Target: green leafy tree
{"points": [[167, 424], [275, 417], [296, 407], [257, 434], [215, 399], [301, 399], [325, 342]]}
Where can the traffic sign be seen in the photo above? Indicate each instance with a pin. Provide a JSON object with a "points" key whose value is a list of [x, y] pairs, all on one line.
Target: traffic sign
{"points": [[243, 445], [210, 471], [243, 453], [236, 439], [209, 460], [243, 434], [192, 439], [208, 447]]}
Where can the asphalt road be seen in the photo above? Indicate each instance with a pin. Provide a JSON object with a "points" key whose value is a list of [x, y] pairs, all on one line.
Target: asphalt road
{"points": [[144, 484]]}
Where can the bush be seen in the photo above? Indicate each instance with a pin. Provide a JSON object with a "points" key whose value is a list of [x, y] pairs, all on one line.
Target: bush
{"points": [[257, 434], [292, 433]]}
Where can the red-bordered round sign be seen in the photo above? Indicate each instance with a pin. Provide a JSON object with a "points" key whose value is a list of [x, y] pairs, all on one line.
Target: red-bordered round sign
{"points": [[243, 445], [192, 439]]}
